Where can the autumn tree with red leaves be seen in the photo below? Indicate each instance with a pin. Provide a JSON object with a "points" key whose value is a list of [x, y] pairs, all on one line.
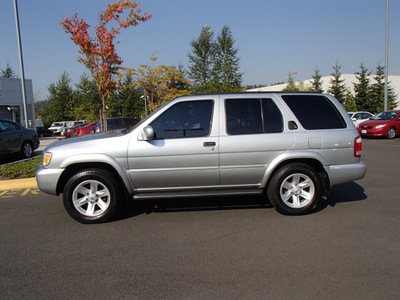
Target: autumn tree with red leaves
{"points": [[98, 51]]}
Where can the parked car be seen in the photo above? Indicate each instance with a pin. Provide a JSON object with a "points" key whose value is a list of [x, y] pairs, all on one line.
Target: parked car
{"points": [[15, 139], [360, 116], [85, 129], [291, 147], [59, 128], [117, 123], [71, 131], [386, 124]]}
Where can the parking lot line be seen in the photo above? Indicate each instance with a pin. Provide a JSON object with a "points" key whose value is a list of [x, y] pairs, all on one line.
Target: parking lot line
{"points": [[16, 184]]}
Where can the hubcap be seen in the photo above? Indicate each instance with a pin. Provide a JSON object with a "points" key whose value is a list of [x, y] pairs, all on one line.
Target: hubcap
{"points": [[91, 198], [297, 190]]}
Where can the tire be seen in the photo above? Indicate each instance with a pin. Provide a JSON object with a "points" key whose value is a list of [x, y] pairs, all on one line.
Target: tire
{"points": [[27, 150], [295, 189], [391, 133], [92, 196]]}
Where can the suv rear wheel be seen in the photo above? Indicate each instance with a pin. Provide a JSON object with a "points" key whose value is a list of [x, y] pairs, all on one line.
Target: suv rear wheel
{"points": [[92, 196], [295, 189]]}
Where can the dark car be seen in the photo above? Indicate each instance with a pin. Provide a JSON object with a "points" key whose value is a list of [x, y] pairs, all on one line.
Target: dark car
{"points": [[117, 123], [384, 124], [15, 139]]}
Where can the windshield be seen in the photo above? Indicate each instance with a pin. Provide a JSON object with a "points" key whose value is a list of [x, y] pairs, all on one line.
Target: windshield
{"points": [[57, 124], [386, 115]]}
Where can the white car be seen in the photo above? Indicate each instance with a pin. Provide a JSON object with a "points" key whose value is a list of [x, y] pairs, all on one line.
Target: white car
{"points": [[360, 116]]}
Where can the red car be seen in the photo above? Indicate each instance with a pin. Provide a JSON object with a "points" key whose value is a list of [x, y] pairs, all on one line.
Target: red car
{"points": [[84, 129], [385, 124]]}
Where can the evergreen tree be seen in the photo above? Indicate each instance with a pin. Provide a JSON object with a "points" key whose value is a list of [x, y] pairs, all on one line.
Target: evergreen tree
{"points": [[202, 60], [349, 103], [60, 101], [291, 85], [227, 77], [130, 99], [377, 92], [88, 102], [7, 72], [362, 89], [316, 83], [337, 88]]}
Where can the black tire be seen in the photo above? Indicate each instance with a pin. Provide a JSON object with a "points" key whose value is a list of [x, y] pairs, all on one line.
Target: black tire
{"points": [[295, 189], [391, 133], [92, 196], [27, 150]]}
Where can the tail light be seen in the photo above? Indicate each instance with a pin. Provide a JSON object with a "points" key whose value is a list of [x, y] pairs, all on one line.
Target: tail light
{"points": [[357, 146]]}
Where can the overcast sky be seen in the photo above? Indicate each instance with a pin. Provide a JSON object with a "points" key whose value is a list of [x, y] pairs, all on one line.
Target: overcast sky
{"points": [[274, 37]]}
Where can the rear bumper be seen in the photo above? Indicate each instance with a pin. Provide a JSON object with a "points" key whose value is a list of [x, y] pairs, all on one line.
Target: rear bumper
{"points": [[346, 173]]}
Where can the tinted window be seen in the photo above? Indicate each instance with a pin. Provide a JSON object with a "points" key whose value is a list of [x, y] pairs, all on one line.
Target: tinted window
{"points": [[252, 116], [315, 112], [8, 126], [184, 119]]}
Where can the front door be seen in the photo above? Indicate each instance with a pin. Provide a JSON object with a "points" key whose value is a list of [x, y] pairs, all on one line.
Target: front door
{"points": [[183, 153]]}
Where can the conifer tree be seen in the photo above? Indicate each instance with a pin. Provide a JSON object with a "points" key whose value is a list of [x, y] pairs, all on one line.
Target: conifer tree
{"points": [[338, 88], [8, 72], [362, 89], [377, 92], [226, 69], [202, 60], [316, 83]]}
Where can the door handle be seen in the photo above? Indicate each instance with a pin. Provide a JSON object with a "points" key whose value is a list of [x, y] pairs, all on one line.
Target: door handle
{"points": [[209, 144]]}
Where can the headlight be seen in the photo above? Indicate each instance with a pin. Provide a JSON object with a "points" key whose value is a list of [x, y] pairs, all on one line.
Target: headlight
{"points": [[380, 126], [46, 158]]}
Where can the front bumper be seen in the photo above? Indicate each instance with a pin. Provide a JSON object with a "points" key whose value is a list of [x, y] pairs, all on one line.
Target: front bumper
{"points": [[47, 179]]}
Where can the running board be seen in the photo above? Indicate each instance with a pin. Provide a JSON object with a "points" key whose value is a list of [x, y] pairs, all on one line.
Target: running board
{"points": [[193, 194]]}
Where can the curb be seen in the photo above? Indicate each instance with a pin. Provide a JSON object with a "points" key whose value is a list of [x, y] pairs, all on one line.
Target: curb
{"points": [[18, 184]]}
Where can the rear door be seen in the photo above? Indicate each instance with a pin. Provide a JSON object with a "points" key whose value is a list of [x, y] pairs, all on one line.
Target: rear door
{"points": [[253, 133], [10, 138]]}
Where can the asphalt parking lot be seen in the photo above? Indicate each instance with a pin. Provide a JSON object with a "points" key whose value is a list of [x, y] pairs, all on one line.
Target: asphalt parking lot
{"points": [[218, 248]]}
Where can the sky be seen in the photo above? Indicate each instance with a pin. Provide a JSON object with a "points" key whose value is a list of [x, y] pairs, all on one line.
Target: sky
{"points": [[274, 37]]}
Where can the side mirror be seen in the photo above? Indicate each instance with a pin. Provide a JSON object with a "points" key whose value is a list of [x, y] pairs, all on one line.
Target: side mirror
{"points": [[147, 134]]}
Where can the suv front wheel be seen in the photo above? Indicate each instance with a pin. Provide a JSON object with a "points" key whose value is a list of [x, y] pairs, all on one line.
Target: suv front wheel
{"points": [[91, 196], [295, 189]]}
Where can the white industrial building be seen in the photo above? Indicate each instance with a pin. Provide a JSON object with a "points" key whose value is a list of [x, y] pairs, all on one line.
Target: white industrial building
{"points": [[349, 80], [11, 103]]}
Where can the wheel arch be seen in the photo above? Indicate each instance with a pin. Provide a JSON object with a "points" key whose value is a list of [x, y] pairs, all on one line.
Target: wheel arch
{"points": [[318, 163], [72, 169]]}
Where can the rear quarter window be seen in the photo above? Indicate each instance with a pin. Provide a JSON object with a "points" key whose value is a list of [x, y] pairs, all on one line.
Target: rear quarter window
{"points": [[315, 112]]}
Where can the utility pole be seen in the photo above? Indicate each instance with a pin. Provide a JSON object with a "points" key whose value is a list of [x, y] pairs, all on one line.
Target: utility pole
{"points": [[21, 63]]}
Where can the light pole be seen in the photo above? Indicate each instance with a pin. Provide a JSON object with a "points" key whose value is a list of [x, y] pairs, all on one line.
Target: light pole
{"points": [[21, 63], [386, 55]]}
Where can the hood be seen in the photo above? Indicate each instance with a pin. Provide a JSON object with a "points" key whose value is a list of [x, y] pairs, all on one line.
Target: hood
{"points": [[79, 141], [375, 122]]}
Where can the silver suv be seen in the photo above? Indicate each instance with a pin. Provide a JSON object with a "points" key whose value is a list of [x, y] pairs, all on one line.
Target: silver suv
{"points": [[292, 147]]}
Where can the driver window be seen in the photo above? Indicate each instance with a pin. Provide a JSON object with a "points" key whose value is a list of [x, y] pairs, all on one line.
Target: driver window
{"points": [[184, 119]]}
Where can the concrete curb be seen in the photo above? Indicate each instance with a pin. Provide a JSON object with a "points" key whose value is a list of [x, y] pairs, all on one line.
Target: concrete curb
{"points": [[18, 184]]}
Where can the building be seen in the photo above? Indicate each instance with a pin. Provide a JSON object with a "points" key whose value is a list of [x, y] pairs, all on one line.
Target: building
{"points": [[349, 80], [11, 101]]}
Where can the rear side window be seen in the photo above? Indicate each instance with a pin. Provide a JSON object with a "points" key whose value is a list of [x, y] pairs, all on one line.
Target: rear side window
{"points": [[252, 116], [315, 111]]}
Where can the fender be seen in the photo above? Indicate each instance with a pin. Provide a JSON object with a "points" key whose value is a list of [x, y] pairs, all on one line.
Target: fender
{"points": [[99, 158], [294, 155]]}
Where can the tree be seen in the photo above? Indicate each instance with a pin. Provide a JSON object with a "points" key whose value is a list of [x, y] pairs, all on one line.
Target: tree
{"points": [[60, 101], [377, 92], [202, 60], [98, 52], [7, 72], [129, 99], [227, 77], [349, 102], [160, 83], [362, 89], [291, 85], [88, 103], [316, 83], [337, 88]]}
